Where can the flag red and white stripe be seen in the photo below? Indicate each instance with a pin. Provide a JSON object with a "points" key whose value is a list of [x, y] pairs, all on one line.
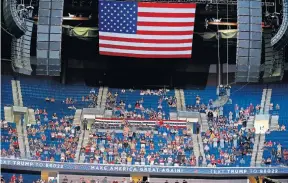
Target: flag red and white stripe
{"points": [[164, 30]]}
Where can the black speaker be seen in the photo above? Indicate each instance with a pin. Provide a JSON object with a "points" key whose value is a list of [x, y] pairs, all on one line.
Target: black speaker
{"points": [[20, 51], [249, 40], [277, 71], [49, 37], [14, 24], [280, 39], [268, 53]]}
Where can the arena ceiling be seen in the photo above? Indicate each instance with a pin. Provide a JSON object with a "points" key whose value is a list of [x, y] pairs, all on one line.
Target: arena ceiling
{"points": [[86, 13]]}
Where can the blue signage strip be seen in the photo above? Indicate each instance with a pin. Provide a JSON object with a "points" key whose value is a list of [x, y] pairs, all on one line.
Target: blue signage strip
{"points": [[92, 168]]}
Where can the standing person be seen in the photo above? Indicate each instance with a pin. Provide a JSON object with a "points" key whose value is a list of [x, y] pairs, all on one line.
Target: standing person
{"points": [[105, 180], [85, 122], [198, 128], [200, 160], [20, 179]]}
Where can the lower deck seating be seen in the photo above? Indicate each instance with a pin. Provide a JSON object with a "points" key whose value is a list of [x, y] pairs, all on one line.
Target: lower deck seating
{"points": [[280, 97], [276, 149], [52, 140], [21, 178], [227, 144], [9, 140], [170, 147]]}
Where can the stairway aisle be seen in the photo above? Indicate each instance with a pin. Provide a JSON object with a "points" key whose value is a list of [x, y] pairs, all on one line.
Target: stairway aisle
{"points": [[104, 97], [263, 99], [77, 117], [260, 150], [182, 97], [268, 101], [196, 148], [19, 92], [274, 122], [99, 99], [177, 95], [80, 144], [84, 141], [201, 149], [31, 116], [204, 122], [14, 93], [255, 150], [250, 122], [21, 139], [26, 142]]}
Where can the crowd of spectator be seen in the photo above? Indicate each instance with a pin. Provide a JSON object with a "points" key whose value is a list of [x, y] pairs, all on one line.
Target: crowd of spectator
{"points": [[164, 145], [111, 180], [53, 139], [19, 178], [138, 110], [274, 153], [228, 142], [9, 140], [90, 98]]}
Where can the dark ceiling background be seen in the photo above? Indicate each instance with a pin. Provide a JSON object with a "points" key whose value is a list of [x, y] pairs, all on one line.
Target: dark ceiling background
{"points": [[81, 59]]}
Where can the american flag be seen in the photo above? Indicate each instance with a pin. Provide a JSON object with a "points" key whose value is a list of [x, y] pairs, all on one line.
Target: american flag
{"points": [[146, 29]]}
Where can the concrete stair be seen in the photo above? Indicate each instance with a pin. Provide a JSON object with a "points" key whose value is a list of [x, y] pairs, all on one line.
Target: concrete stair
{"points": [[81, 143], [85, 139], [20, 99], [31, 116], [99, 99], [26, 142], [263, 100], [182, 98], [108, 113], [21, 139], [201, 149], [268, 101], [260, 150], [8, 114], [204, 122], [177, 95], [77, 117], [255, 150], [196, 147], [14, 92], [173, 115], [274, 122], [104, 97], [250, 122]]}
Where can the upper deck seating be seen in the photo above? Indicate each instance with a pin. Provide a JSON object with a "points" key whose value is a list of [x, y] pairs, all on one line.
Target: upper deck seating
{"points": [[141, 104], [6, 93]]}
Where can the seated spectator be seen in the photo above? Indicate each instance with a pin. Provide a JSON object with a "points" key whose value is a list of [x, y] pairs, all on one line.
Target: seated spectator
{"points": [[283, 128], [52, 99], [277, 107], [92, 91]]}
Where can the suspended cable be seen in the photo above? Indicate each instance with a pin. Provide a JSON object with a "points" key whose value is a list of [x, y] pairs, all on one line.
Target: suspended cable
{"points": [[218, 37], [7, 31], [266, 8], [227, 68], [240, 88]]}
